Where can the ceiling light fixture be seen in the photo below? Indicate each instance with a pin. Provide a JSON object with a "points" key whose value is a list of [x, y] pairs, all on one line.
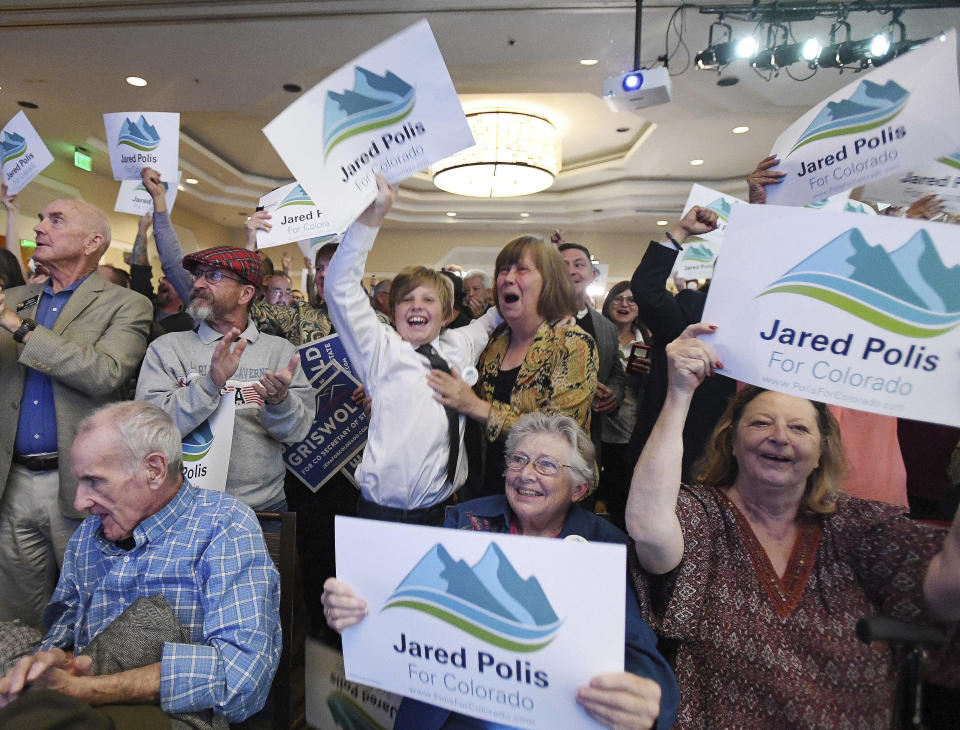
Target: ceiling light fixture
{"points": [[516, 153], [696, 163], [662, 223], [451, 214], [136, 81], [740, 130], [524, 215], [191, 181], [588, 62]]}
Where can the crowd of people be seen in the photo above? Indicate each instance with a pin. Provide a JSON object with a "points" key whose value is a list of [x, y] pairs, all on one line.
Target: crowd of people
{"points": [[499, 402]]}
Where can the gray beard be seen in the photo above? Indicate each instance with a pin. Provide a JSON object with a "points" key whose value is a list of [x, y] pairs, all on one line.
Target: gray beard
{"points": [[200, 309]]}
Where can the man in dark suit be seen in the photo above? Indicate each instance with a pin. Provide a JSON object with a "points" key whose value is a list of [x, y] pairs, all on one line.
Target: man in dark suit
{"points": [[611, 378], [66, 347]]}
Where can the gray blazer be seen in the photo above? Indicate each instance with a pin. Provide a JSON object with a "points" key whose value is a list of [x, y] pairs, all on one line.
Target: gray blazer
{"points": [[92, 351], [610, 371]]}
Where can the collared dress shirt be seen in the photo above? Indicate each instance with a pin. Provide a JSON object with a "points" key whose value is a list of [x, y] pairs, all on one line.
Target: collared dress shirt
{"points": [[405, 460], [204, 552], [37, 426]]}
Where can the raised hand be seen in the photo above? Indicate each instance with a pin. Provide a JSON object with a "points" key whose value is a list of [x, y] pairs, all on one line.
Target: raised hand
{"points": [[762, 176], [273, 386], [226, 359]]}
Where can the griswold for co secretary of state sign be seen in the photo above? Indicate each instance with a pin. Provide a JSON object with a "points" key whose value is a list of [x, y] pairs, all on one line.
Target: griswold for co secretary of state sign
{"points": [[853, 310]]}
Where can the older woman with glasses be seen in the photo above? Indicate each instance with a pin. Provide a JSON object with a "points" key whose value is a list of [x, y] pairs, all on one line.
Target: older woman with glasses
{"points": [[549, 468]]}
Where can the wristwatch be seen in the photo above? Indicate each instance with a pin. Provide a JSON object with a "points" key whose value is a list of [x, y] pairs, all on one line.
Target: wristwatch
{"points": [[27, 325]]}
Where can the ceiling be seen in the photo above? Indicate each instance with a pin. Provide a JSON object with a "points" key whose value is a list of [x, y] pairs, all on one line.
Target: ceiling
{"points": [[222, 66]]}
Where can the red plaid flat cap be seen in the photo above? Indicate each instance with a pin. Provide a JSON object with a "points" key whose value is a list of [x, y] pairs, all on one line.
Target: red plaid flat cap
{"points": [[245, 264]]}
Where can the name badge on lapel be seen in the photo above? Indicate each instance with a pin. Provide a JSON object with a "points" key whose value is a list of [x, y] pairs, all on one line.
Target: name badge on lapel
{"points": [[27, 303]]}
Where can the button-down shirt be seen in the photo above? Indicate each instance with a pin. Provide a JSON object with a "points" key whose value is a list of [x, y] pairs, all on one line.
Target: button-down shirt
{"points": [[204, 552], [37, 426]]}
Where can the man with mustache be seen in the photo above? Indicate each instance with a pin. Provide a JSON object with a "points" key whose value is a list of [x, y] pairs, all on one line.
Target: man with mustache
{"points": [[185, 373]]}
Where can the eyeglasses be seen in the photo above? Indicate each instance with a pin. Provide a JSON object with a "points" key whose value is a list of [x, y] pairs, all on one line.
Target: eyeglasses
{"points": [[624, 299], [214, 276], [543, 464]]}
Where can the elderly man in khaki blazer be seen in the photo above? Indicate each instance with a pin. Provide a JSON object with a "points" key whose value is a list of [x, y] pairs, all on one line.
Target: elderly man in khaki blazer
{"points": [[67, 346]]}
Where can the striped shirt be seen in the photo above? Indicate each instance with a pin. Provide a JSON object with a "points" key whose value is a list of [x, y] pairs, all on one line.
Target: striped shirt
{"points": [[204, 552]]}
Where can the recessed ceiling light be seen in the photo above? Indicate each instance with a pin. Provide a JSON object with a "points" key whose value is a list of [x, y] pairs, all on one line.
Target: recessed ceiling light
{"points": [[524, 215], [740, 130], [194, 181], [27, 104], [695, 163], [181, 188], [588, 62], [451, 214], [623, 129], [293, 88], [662, 223], [136, 81], [728, 81]]}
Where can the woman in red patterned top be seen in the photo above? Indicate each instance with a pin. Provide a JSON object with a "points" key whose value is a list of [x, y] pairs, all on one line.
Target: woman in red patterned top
{"points": [[755, 578]]}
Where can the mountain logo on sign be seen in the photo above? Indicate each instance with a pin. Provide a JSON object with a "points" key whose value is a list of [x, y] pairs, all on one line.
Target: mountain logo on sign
{"points": [[488, 600], [908, 291], [721, 206], [197, 443], [12, 146], [141, 186], [140, 135], [699, 253], [870, 106], [297, 196], [953, 159], [375, 101]]}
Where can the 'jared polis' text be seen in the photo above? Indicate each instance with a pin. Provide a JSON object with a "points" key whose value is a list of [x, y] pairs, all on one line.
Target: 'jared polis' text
{"points": [[803, 360], [394, 149], [869, 153]]}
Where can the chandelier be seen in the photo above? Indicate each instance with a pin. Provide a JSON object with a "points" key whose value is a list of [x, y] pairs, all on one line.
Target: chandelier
{"points": [[516, 154]]}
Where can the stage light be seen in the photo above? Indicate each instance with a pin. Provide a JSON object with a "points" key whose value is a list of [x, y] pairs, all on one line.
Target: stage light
{"points": [[810, 49], [747, 47], [879, 45]]}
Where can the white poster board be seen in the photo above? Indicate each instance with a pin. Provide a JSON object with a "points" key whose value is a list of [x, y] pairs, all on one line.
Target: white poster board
{"points": [[511, 635], [700, 252], [133, 197], [854, 310], [392, 109], [901, 114], [941, 177], [206, 449], [293, 217], [23, 153], [333, 701], [143, 139]]}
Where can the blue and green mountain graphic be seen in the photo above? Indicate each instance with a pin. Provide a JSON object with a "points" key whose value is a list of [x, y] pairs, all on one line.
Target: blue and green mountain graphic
{"points": [[953, 159], [197, 443], [140, 135], [12, 146], [908, 291], [297, 196], [141, 186], [870, 106], [348, 715], [374, 102], [699, 253], [721, 207], [488, 600]]}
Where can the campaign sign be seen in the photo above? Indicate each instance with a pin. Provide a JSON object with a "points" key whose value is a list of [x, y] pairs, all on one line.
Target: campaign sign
{"points": [[940, 177], [333, 701], [841, 201], [392, 109], [23, 153], [206, 449], [854, 310], [310, 246], [339, 430], [316, 356], [897, 116], [143, 139], [700, 252], [294, 216], [133, 197], [489, 625]]}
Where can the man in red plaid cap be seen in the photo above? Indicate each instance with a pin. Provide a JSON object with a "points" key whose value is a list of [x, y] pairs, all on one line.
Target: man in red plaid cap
{"points": [[185, 373]]}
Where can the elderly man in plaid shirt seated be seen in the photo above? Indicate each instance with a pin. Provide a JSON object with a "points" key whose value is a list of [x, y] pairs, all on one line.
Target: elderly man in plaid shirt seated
{"points": [[167, 596]]}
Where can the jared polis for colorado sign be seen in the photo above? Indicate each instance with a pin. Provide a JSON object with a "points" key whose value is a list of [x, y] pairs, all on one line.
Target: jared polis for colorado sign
{"points": [[858, 311], [901, 114], [392, 109], [488, 625]]}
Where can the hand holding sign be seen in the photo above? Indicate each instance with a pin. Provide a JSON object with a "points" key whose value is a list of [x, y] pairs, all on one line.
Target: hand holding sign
{"points": [[690, 360], [763, 175], [377, 210], [621, 700], [153, 182], [342, 607], [273, 386]]}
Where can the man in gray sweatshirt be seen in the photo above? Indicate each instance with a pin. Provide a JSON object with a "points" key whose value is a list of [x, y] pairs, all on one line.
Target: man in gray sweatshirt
{"points": [[185, 373]]}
